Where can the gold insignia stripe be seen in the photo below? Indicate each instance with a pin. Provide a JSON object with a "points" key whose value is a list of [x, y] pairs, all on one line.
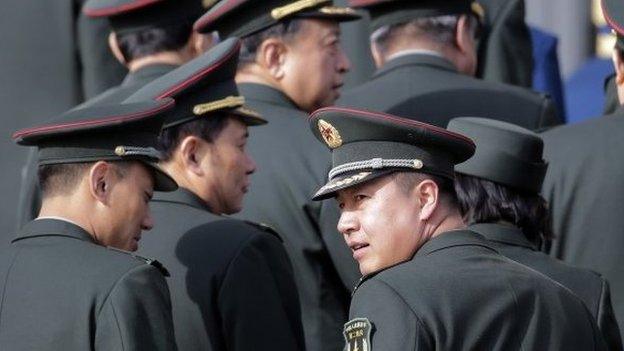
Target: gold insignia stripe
{"points": [[281, 12], [249, 112], [334, 10], [230, 101], [346, 181], [208, 3], [478, 10]]}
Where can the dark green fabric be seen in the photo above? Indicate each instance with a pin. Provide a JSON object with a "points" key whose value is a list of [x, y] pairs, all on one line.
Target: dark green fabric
{"points": [[612, 101], [429, 89], [29, 201], [134, 15], [241, 18], [505, 52], [61, 291], [584, 186], [458, 293], [365, 136], [506, 154], [205, 79], [232, 285], [386, 12], [586, 284], [291, 166]]}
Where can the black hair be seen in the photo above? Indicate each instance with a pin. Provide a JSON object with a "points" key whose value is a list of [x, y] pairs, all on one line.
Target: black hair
{"points": [[283, 30], [62, 179], [137, 44], [207, 128], [408, 180], [483, 201]]}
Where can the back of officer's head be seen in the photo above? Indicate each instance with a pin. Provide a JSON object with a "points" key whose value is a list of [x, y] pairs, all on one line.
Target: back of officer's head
{"points": [[150, 41], [452, 36]]}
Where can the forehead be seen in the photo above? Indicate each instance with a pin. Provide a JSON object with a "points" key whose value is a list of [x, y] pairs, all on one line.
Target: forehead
{"points": [[140, 175], [320, 27]]}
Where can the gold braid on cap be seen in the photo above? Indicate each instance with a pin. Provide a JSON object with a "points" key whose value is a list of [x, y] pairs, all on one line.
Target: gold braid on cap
{"points": [[334, 10], [228, 102], [281, 12]]}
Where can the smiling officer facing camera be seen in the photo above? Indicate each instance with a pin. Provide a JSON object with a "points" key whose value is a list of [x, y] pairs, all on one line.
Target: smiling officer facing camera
{"points": [[430, 284]]}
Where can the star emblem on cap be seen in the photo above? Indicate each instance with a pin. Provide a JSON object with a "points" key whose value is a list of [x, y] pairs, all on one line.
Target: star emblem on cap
{"points": [[330, 134]]}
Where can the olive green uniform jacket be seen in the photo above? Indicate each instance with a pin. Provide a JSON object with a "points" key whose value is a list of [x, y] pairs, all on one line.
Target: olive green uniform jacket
{"points": [[292, 165], [61, 291], [586, 284], [30, 194], [231, 283], [458, 293], [584, 187], [429, 88]]}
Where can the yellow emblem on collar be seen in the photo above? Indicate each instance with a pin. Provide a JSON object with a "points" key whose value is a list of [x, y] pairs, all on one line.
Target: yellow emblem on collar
{"points": [[228, 102], [281, 12], [330, 134]]}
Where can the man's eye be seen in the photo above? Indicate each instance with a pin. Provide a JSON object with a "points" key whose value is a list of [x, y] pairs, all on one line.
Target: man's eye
{"points": [[360, 197]]}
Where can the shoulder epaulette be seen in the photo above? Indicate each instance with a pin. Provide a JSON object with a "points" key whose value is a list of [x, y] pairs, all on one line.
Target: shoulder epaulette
{"points": [[265, 228], [145, 260]]}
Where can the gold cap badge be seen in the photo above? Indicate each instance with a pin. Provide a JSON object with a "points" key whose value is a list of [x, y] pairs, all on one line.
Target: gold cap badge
{"points": [[330, 134], [120, 151]]}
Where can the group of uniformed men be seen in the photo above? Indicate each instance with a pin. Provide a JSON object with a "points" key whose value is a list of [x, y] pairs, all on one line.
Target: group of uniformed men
{"points": [[405, 214]]}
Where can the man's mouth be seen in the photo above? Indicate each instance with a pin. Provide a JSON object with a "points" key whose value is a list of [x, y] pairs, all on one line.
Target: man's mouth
{"points": [[358, 249]]}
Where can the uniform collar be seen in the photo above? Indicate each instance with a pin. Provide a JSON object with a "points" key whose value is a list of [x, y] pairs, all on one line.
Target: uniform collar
{"points": [[265, 93], [453, 238], [53, 227], [182, 196], [416, 59], [148, 73], [503, 233]]}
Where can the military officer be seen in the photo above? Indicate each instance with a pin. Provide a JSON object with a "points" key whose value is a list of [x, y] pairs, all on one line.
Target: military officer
{"points": [[291, 62], [68, 279], [583, 186], [498, 195], [430, 284], [231, 282], [422, 47], [149, 39]]}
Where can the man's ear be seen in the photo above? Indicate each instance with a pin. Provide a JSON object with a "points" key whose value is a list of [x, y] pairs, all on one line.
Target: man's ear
{"points": [[191, 154], [272, 55], [101, 180], [463, 35], [378, 57], [428, 195], [113, 44]]}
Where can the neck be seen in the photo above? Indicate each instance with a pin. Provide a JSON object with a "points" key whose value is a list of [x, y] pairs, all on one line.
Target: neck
{"points": [[68, 208], [181, 177], [451, 220], [428, 49], [254, 74], [176, 58]]}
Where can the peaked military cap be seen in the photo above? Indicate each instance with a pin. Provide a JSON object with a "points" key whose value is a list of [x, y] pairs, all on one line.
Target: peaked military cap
{"points": [[613, 11], [506, 153], [133, 15], [366, 145], [202, 86], [390, 12], [126, 132], [244, 17]]}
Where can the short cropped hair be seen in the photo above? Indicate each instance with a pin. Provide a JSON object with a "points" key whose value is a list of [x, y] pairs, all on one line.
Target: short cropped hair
{"points": [[63, 179], [438, 29], [283, 30], [206, 128], [408, 180], [483, 201], [151, 41]]}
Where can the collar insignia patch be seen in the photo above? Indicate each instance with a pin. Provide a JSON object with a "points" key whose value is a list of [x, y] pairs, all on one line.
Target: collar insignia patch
{"points": [[330, 134], [357, 335]]}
